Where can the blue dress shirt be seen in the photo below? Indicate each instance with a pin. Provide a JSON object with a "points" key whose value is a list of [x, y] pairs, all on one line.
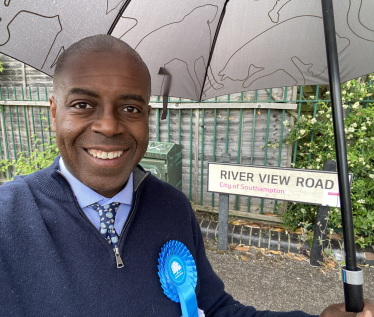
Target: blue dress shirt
{"points": [[86, 196]]}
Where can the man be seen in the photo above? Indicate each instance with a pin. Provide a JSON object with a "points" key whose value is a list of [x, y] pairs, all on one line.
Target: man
{"points": [[82, 237]]}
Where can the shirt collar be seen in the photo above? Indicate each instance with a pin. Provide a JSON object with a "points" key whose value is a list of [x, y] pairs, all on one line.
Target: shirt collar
{"points": [[86, 196]]}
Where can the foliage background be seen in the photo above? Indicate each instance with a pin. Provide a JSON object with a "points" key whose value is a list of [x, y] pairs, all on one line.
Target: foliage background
{"points": [[315, 144]]}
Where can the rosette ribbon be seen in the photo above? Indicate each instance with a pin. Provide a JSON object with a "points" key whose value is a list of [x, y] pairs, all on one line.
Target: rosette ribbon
{"points": [[178, 276]]}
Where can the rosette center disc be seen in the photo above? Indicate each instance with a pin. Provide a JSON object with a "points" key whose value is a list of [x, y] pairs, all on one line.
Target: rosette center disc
{"points": [[176, 269]]}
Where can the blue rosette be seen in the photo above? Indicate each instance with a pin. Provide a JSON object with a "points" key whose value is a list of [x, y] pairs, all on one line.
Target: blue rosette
{"points": [[178, 276]]}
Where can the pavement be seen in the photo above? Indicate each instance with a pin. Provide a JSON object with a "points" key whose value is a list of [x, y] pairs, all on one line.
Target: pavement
{"points": [[278, 281]]}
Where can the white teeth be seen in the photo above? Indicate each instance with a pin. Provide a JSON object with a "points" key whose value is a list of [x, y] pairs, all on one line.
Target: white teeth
{"points": [[105, 155]]}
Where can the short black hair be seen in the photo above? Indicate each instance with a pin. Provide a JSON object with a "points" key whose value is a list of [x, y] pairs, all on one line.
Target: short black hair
{"points": [[94, 44]]}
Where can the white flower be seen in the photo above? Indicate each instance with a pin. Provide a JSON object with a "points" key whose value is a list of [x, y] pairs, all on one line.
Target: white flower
{"points": [[354, 124], [321, 112], [327, 116], [313, 121], [318, 160], [355, 106], [361, 159], [351, 129], [362, 140], [371, 175], [302, 132], [318, 167], [285, 122], [327, 92], [303, 210], [344, 92], [312, 97], [345, 106], [363, 128], [361, 201]]}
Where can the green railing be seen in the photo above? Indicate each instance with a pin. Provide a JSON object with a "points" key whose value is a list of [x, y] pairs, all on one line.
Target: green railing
{"points": [[240, 124]]}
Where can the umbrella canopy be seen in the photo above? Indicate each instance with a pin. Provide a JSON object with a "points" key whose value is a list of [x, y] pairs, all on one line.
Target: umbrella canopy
{"points": [[210, 48]]}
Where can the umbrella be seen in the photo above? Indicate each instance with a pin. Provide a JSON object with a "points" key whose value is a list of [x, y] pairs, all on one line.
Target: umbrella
{"points": [[201, 49]]}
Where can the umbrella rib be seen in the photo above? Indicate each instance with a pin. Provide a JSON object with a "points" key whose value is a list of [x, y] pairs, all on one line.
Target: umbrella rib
{"points": [[213, 45], [118, 16]]}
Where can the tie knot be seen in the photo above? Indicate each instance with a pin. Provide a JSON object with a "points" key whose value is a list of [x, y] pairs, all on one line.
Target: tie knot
{"points": [[107, 215], [107, 208], [108, 211]]}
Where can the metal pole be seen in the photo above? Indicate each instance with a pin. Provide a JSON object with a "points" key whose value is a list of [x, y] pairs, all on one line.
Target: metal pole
{"points": [[353, 291], [223, 215]]}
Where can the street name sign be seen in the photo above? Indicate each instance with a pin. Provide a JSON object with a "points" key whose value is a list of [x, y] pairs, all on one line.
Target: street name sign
{"points": [[290, 184]]}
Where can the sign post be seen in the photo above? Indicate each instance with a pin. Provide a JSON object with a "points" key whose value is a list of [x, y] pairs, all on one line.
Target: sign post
{"points": [[316, 257], [223, 216]]}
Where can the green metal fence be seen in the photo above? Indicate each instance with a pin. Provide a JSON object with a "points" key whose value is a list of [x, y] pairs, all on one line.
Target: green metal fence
{"points": [[240, 124]]}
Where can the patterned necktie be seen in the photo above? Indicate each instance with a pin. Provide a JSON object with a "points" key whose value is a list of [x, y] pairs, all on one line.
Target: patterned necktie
{"points": [[107, 215]]}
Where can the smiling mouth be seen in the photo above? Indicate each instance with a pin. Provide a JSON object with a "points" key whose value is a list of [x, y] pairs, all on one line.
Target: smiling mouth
{"points": [[105, 155]]}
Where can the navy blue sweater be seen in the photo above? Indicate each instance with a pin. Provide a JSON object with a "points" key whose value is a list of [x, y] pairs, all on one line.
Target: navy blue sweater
{"points": [[54, 262]]}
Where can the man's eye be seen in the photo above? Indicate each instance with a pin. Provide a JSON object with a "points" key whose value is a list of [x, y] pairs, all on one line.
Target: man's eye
{"points": [[82, 105], [131, 109]]}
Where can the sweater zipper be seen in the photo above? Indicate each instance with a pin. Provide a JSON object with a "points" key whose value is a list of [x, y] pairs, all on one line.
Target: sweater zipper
{"points": [[116, 250]]}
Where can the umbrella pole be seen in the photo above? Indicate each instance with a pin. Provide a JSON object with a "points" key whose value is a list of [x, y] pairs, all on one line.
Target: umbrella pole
{"points": [[352, 276]]}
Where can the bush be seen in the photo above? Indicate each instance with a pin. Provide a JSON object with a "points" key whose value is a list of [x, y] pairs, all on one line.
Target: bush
{"points": [[359, 130], [38, 159]]}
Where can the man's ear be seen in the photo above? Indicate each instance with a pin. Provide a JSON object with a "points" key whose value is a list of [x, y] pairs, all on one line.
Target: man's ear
{"points": [[53, 108]]}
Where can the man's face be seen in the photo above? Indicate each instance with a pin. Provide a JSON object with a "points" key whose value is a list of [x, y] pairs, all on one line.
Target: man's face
{"points": [[100, 115]]}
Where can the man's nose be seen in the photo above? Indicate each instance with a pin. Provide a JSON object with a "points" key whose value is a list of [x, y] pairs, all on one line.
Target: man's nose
{"points": [[108, 124]]}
